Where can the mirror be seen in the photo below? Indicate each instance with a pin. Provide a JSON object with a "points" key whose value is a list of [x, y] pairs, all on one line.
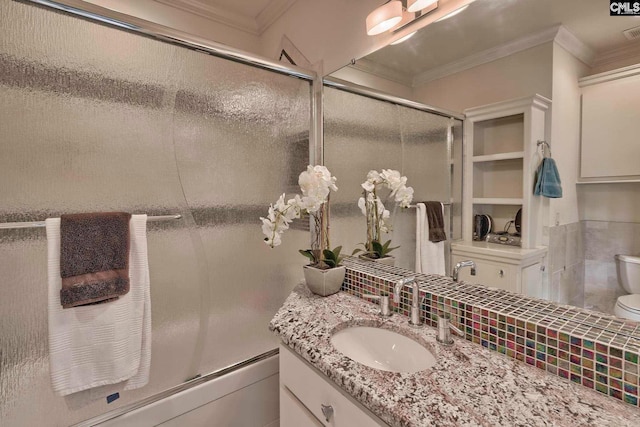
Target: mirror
{"points": [[498, 50], [362, 134]]}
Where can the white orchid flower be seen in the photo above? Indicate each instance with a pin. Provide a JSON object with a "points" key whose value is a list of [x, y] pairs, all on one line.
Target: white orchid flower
{"points": [[362, 205], [280, 204], [404, 196], [368, 204], [374, 177], [368, 186], [323, 173], [274, 241], [316, 182]]}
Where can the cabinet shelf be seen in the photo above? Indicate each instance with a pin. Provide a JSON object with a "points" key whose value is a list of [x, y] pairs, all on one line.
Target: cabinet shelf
{"points": [[498, 168], [496, 201], [499, 156]]}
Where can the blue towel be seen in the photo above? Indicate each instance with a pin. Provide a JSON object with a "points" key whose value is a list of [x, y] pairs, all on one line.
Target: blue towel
{"points": [[548, 180]]}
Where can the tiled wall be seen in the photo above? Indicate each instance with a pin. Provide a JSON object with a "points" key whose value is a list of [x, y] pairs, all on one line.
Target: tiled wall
{"points": [[595, 350], [603, 240]]}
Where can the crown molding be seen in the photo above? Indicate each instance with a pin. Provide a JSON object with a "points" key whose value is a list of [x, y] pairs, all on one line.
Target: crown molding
{"points": [[557, 33], [629, 51], [575, 46], [487, 56], [367, 66], [270, 14], [620, 73], [249, 24]]}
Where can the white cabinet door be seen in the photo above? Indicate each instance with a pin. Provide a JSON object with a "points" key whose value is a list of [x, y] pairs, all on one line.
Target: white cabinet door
{"points": [[314, 391], [293, 413], [493, 274], [610, 127]]}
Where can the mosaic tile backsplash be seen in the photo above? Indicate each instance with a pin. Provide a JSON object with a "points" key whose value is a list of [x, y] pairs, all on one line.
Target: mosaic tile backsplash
{"points": [[598, 351]]}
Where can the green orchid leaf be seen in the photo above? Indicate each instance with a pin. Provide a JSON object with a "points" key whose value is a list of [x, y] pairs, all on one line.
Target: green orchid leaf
{"points": [[309, 254], [378, 249], [336, 251]]}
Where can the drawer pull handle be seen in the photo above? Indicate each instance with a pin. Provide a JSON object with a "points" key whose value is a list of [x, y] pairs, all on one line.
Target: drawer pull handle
{"points": [[501, 273], [327, 411]]}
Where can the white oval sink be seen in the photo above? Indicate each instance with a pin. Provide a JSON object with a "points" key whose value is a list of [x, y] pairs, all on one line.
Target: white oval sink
{"points": [[382, 349]]}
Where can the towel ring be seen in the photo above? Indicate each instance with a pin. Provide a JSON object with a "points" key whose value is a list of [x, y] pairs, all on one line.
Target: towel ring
{"points": [[543, 143]]}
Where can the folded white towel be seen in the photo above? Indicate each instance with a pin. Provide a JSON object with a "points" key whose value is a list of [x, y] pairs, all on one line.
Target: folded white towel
{"points": [[429, 255], [94, 345]]}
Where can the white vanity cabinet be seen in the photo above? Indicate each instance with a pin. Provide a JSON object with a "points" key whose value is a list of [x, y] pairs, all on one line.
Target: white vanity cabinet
{"points": [[505, 267], [304, 391]]}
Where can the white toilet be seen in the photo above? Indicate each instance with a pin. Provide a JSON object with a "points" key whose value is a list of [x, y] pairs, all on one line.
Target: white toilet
{"points": [[628, 268]]}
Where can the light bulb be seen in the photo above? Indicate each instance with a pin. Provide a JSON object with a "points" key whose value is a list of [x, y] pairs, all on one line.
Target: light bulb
{"points": [[417, 5], [384, 18]]}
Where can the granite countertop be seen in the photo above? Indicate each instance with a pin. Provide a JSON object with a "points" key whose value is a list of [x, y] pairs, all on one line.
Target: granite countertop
{"points": [[468, 386]]}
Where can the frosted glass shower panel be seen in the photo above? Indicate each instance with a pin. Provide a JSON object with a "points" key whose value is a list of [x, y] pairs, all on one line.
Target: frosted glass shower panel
{"points": [[360, 134], [425, 152], [240, 141], [241, 138], [363, 133], [99, 119], [456, 181]]}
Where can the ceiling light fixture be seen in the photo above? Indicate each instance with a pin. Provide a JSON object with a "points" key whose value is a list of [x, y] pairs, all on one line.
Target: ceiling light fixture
{"points": [[384, 17], [417, 5]]}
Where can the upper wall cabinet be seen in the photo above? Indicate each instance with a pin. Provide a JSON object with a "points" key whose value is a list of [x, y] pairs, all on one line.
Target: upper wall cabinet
{"points": [[611, 126]]}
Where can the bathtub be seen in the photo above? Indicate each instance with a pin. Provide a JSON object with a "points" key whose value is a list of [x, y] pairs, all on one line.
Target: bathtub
{"points": [[244, 395]]}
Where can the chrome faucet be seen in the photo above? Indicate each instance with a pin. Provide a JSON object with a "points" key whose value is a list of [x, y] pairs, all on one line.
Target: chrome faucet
{"points": [[414, 321], [444, 331], [467, 263]]}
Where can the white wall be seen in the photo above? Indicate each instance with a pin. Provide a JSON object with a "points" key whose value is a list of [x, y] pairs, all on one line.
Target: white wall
{"points": [[189, 23], [521, 74], [329, 33], [565, 133], [618, 202], [376, 82]]}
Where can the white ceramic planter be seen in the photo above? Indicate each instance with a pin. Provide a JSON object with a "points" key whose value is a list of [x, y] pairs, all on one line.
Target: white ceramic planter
{"points": [[324, 282]]}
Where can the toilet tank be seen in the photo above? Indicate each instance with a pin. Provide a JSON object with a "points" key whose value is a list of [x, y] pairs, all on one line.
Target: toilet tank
{"points": [[628, 268]]}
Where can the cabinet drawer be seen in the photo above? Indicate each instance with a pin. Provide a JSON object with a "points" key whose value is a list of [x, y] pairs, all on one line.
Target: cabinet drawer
{"points": [[313, 391], [493, 274], [293, 413]]}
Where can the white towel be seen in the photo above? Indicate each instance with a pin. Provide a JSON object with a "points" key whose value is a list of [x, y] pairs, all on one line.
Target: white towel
{"points": [[95, 345], [429, 255]]}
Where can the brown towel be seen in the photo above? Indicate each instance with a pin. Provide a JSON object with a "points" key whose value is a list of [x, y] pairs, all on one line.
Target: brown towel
{"points": [[436, 222], [94, 257]]}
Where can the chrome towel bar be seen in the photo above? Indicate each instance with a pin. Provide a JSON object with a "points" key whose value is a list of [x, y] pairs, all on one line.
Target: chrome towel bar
{"points": [[40, 224], [443, 204]]}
